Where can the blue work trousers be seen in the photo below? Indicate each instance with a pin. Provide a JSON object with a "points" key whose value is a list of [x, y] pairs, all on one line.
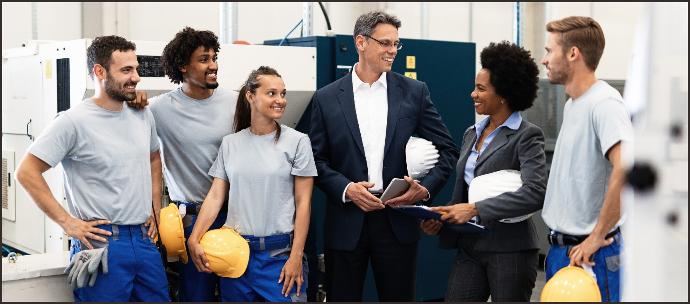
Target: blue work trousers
{"points": [[135, 269], [606, 266], [259, 282]]}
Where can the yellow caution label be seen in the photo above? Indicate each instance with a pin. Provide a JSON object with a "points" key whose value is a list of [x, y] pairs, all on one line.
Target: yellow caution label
{"points": [[411, 62], [412, 75], [48, 68]]}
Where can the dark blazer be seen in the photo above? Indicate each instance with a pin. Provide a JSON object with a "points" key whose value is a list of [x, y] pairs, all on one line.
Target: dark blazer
{"points": [[523, 150], [339, 152]]}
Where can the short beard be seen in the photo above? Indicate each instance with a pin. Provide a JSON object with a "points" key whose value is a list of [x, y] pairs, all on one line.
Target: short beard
{"points": [[561, 77], [211, 86], [115, 93]]}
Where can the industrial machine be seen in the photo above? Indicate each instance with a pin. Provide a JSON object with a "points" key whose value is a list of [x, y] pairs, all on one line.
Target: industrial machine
{"points": [[450, 82], [46, 77]]}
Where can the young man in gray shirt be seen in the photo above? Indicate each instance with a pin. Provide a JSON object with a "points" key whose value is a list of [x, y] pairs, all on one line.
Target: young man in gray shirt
{"points": [[191, 122], [583, 195], [111, 175]]}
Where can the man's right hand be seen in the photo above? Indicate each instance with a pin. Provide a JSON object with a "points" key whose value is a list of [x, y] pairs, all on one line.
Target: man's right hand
{"points": [[83, 230], [431, 227], [360, 196], [140, 102]]}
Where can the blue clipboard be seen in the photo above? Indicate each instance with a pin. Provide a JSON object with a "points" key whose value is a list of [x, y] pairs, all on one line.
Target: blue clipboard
{"points": [[424, 212], [468, 227]]}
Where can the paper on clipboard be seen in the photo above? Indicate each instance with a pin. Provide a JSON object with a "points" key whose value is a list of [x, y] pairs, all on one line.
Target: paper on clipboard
{"points": [[424, 212], [469, 227]]}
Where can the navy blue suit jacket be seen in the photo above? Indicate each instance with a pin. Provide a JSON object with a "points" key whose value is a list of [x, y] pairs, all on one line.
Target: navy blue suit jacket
{"points": [[340, 159]]}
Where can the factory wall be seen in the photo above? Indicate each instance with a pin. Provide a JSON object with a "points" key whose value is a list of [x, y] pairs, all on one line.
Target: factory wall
{"points": [[477, 22]]}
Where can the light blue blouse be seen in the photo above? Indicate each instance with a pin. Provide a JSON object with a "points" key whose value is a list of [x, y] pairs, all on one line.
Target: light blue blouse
{"points": [[513, 122]]}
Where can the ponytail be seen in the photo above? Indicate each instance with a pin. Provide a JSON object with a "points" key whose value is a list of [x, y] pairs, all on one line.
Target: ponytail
{"points": [[243, 112]]}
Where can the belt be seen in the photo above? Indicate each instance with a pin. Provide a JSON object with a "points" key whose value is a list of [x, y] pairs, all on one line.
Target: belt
{"points": [[271, 242], [557, 238], [193, 208]]}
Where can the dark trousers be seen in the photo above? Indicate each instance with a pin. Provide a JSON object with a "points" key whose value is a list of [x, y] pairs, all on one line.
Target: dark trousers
{"points": [[195, 285], [506, 276], [394, 264]]}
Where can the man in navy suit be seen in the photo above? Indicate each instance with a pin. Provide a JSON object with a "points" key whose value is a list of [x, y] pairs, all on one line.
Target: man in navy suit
{"points": [[360, 126]]}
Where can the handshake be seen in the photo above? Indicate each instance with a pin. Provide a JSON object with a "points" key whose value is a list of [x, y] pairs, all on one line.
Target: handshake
{"points": [[85, 265]]}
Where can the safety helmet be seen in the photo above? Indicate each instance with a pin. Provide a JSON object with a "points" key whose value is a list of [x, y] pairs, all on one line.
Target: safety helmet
{"points": [[172, 232], [493, 184], [571, 284], [227, 252], [421, 156]]}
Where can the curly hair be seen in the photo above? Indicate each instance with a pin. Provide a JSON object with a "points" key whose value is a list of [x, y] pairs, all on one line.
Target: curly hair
{"points": [[513, 73], [178, 51], [101, 50]]}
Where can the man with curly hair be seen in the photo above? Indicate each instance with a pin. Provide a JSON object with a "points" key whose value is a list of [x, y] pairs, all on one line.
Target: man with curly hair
{"points": [[583, 198], [501, 148], [191, 121], [112, 174]]}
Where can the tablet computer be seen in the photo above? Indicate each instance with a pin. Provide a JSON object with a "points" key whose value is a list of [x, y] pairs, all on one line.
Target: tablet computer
{"points": [[396, 188]]}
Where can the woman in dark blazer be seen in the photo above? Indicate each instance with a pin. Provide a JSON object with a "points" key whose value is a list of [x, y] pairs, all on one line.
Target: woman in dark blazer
{"points": [[501, 263]]}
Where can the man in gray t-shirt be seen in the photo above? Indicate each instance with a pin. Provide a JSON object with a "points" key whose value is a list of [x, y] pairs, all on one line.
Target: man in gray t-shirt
{"points": [[191, 122], [111, 176], [582, 205], [106, 161]]}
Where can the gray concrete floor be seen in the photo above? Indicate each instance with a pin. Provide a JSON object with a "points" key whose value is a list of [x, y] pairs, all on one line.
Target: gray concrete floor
{"points": [[538, 286]]}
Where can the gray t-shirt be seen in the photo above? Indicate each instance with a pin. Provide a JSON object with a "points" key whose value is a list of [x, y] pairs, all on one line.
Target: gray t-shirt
{"points": [[190, 132], [580, 171], [261, 176], [106, 160]]}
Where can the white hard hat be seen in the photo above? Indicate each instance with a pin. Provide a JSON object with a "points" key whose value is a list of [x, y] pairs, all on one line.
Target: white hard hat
{"points": [[493, 184], [421, 157]]}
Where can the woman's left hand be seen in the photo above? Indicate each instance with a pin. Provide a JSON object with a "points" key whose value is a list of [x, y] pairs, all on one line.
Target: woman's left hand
{"points": [[291, 275], [457, 214]]}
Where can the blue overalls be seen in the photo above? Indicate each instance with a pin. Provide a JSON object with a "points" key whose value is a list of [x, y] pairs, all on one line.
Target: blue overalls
{"points": [[259, 282], [135, 268]]}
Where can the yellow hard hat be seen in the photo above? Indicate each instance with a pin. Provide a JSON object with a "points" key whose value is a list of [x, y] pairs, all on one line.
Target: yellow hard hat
{"points": [[571, 284], [172, 232], [227, 252]]}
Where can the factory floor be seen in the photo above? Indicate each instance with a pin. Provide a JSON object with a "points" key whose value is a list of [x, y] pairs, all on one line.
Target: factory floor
{"points": [[538, 286]]}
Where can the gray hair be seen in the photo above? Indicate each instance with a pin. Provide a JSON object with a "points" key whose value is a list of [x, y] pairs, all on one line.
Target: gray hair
{"points": [[367, 22]]}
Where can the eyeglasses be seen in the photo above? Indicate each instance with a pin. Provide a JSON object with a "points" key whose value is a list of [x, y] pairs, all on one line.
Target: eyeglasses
{"points": [[387, 44]]}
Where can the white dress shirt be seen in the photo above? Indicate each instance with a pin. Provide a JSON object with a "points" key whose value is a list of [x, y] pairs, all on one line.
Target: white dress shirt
{"points": [[371, 106]]}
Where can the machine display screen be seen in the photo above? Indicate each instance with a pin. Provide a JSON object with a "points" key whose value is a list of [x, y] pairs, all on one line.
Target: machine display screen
{"points": [[150, 66]]}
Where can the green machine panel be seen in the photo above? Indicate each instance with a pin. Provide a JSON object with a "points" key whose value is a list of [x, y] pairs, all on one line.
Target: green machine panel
{"points": [[448, 68]]}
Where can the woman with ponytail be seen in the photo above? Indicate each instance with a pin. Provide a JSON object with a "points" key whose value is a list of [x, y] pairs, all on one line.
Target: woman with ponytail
{"points": [[267, 171]]}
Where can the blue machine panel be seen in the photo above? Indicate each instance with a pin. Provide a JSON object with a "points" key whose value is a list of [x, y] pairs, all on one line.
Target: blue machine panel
{"points": [[448, 68]]}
